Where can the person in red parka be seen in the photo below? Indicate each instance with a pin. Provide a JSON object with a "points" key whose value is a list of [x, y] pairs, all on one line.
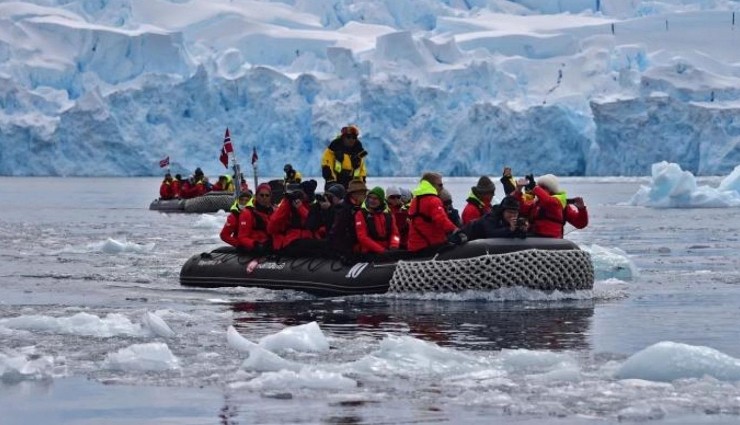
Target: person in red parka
{"points": [[230, 231], [429, 226], [576, 213], [479, 200], [400, 214], [253, 221], [166, 189], [288, 225], [375, 226], [545, 212]]}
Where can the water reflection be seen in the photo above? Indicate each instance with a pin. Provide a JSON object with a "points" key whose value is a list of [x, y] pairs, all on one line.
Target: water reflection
{"points": [[471, 325]]}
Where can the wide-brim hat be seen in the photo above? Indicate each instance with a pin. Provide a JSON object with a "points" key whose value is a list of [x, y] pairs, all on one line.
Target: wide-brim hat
{"points": [[356, 186]]}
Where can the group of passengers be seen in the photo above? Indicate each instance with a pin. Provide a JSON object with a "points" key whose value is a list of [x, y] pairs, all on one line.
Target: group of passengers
{"points": [[350, 220], [196, 185]]}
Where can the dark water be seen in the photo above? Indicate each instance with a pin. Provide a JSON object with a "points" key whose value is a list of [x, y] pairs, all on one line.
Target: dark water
{"points": [[55, 263]]}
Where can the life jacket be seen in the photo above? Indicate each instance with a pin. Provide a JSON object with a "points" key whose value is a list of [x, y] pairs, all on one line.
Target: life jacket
{"points": [[372, 230], [257, 211], [343, 164]]}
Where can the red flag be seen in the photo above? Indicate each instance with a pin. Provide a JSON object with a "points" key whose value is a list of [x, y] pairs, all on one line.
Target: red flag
{"points": [[254, 155], [165, 162], [226, 149]]}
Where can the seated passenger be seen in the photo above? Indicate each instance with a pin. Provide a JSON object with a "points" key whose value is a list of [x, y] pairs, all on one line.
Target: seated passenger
{"points": [[291, 175], [343, 233], [501, 222], [167, 189], [479, 200], [177, 185], [253, 221], [375, 226], [323, 212], [451, 211], [287, 226], [429, 227], [545, 212], [230, 231], [400, 214], [220, 184]]}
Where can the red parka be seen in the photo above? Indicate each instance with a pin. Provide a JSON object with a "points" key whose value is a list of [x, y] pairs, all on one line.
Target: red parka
{"points": [[166, 191], [376, 231], [230, 231], [545, 213], [474, 209], [288, 224], [253, 221], [577, 217], [429, 225], [401, 217]]}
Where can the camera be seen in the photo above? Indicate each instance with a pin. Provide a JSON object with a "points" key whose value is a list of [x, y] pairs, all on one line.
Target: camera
{"points": [[522, 222], [320, 197], [293, 195], [570, 201]]}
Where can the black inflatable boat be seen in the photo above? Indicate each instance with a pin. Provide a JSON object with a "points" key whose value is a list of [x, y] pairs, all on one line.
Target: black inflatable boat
{"points": [[537, 263]]}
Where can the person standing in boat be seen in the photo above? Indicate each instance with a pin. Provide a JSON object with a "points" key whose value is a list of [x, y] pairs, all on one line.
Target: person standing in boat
{"points": [[253, 221], [288, 225], [508, 182], [343, 233], [376, 228], [479, 200], [291, 175], [450, 209], [344, 159], [167, 188], [545, 211], [429, 226], [502, 222], [230, 231]]}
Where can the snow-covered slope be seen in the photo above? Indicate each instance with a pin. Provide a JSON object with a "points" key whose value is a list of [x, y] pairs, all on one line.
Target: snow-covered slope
{"points": [[596, 87]]}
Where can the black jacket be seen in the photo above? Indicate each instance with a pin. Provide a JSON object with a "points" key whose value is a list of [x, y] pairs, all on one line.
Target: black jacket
{"points": [[491, 225]]}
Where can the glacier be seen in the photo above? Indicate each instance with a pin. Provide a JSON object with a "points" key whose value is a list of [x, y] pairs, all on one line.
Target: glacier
{"points": [[573, 87]]}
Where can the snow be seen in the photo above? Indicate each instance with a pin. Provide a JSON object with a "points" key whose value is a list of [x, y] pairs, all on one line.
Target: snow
{"points": [[672, 187], [573, 87]]}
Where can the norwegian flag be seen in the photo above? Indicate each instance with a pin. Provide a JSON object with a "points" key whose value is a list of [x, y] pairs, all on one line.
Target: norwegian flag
{"points": [[226, 149], [165, 162], [254, 155]]}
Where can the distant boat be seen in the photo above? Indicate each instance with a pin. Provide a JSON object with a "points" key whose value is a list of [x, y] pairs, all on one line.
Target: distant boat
{"points": [[210, 202]]}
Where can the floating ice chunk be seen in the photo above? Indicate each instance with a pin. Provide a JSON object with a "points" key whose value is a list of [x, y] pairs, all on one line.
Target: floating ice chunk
{"points": [[237, 341], [157, 326], [18, 367], [611, 263], [112, 246], [530, 362], [80, 324], [667, 361], [310, 379], [142, 357], [306, 337], [406, 355], [641, 412], [260, 359], [210, 221], [671, 187]]}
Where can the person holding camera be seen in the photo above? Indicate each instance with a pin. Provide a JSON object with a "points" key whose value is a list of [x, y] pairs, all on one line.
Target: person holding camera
{"points": [[376, 228], [287, 226], [323, 211], [344, 159], [546, 211], [502, 222], [343, 233], [253, 221]]}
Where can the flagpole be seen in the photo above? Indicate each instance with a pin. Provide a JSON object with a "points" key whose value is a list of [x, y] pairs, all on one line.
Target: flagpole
{"points": [[237, 175], [254, 166]]}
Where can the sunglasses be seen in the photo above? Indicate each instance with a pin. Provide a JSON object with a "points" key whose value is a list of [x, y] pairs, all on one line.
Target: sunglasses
{"points": [[394, 197], [350, 136], [263, 195]]}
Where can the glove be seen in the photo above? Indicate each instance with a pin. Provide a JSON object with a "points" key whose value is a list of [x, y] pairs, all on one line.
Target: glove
{"points": [[530, 182], [458, 237]]}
